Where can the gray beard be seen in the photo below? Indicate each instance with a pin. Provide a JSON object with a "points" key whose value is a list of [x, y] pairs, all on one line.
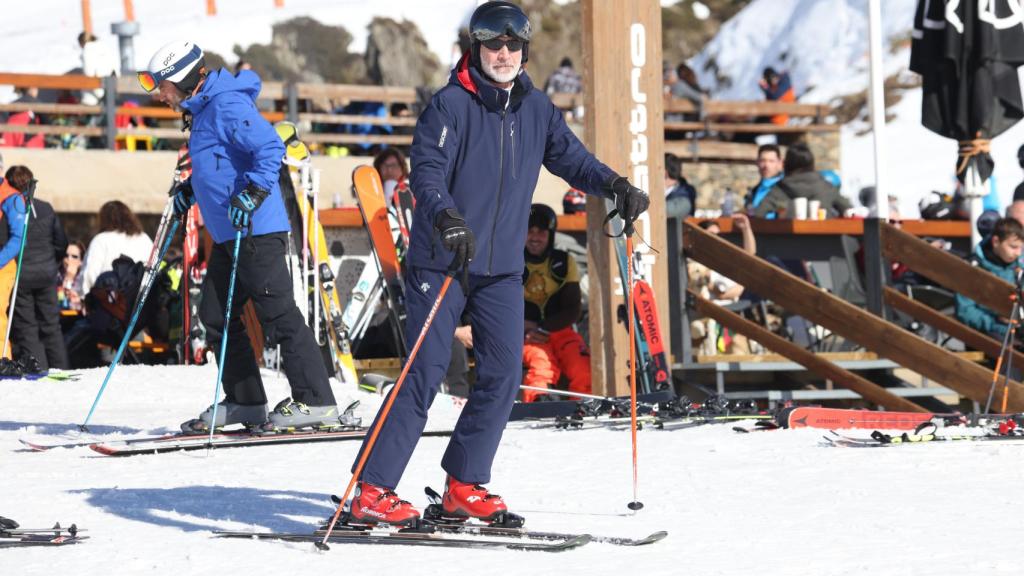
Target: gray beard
{"points": [[490, 72]]}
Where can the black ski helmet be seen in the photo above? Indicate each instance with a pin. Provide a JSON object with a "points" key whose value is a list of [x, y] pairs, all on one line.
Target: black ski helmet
{"points": [[543, 217], [494, 19]]}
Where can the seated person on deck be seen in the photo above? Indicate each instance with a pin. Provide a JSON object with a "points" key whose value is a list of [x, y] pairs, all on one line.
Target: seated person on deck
{"points": [[551, 287]]}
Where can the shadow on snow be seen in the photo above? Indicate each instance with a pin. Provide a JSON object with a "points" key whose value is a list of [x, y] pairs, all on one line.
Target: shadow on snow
{"points": [[196, 508]]}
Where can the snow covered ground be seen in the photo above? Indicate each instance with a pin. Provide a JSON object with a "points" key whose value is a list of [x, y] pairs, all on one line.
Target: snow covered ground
{"points": [[765, 503]]}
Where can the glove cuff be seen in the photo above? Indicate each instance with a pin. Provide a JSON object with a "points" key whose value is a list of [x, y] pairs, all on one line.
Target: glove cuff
{"points": [[616, 185], [256, 193], [448, 216]]}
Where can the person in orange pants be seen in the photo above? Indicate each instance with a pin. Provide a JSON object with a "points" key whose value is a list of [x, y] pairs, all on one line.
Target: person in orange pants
{"points": [[553, 304]]}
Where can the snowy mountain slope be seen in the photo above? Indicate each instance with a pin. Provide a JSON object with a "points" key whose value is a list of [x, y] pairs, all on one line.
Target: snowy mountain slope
{"points": [[765, 503]]}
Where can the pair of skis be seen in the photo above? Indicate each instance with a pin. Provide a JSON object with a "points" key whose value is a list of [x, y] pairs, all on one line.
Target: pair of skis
{"points": [[653, 370], [16, 537], [323, 305], [385, 261], [436, 530]]}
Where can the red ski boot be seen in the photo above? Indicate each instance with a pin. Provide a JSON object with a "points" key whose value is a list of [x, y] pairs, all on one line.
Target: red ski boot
{"points": [[463, 500], [375, 505]]}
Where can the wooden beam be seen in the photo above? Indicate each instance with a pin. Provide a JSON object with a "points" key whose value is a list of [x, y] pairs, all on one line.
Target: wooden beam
{"points": [[830, 356], [714, 108], [855, 324], [46, 129], [400, 140], [946, 269], [51, 81], [357, 92], [969, 336], [357, 119], [752, 128], [712, 150], [868, 390]]}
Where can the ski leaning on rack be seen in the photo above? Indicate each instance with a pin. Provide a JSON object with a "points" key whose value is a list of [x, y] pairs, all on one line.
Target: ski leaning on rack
{"points": [[24, 537], [650, 325], [643, 357], [373, 206]]}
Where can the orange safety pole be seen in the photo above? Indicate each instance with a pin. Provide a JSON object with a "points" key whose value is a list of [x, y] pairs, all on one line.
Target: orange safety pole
{"points": [[129, 11], [86, 18], [211, 7], [631, 314]]}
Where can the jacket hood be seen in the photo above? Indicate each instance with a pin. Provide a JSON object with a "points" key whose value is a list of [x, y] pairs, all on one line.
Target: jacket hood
{"points": [[467, 77], [984, 252], [220, 81]]}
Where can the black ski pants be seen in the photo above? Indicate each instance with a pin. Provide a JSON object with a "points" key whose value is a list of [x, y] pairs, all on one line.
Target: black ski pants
{"points": [[262, 277], [35, 326]]}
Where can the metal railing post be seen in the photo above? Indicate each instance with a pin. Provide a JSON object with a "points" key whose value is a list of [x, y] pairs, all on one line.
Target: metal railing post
{"points": [[110, 110]]}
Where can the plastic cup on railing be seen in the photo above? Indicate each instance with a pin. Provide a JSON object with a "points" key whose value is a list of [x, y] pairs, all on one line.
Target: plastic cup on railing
{"points": [[800, 208], [812, 209]]}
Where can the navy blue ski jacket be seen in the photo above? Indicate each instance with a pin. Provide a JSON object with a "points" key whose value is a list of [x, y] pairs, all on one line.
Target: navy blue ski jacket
{"points": [[473, 153], [232, 145]]}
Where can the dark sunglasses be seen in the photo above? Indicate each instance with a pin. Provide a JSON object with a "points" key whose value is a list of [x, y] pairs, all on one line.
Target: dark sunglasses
{"points": [[496, 44]]}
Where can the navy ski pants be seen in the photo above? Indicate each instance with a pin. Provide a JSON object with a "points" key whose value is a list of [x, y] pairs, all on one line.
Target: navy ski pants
{"points": [[495, 307], [262, 277]]}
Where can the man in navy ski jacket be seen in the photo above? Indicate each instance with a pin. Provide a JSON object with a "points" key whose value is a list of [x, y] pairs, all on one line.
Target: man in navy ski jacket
{"points": [[236, 155], [476, 155]]}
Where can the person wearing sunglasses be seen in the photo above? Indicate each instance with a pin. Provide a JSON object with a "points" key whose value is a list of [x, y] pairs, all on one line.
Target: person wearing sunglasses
{"points": [[69, 277], [236, 158], [476, 156]]}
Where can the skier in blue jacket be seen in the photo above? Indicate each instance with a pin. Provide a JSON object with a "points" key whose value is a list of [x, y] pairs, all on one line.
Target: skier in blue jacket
{"points": [[476, 155], [236, 156]]}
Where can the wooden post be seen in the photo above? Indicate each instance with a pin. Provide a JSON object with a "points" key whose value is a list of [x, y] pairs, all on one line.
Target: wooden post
{"points": [[129, 11], [86, 18], [624, 129], [211, 7]]}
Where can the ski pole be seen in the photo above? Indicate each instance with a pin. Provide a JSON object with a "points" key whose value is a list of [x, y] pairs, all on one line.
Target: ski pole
{"points": [[1003, 351], [224, 332], [30, 192], [452, 270], [1009, 364], [131, 324], [636, 504]]}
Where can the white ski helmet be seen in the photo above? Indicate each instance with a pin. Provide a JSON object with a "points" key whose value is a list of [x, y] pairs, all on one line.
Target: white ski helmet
{"points": [[179, 62]]}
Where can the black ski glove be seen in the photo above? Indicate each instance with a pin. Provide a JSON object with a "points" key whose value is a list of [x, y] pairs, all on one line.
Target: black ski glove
{"points": [[184, 197], [630, 201], [456, 237], [244, 204]]}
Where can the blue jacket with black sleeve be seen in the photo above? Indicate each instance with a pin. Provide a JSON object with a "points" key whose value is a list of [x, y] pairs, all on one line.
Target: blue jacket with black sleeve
{"points": [[479, 149], [231, 146]]}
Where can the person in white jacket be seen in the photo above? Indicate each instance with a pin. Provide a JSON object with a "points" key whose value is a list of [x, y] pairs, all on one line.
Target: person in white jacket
{"points": [[120, 233], [97, 60]]}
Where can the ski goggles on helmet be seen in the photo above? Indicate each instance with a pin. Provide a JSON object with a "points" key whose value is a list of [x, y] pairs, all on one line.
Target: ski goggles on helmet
{"points": [[504, 18], [495, 44], [150, 80]]}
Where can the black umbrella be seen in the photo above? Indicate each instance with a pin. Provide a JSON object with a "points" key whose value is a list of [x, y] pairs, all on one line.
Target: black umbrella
{"points": [[967, 53]]}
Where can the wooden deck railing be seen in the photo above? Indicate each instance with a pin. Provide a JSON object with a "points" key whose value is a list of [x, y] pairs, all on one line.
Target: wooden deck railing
{"points": [[284, 100]]}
